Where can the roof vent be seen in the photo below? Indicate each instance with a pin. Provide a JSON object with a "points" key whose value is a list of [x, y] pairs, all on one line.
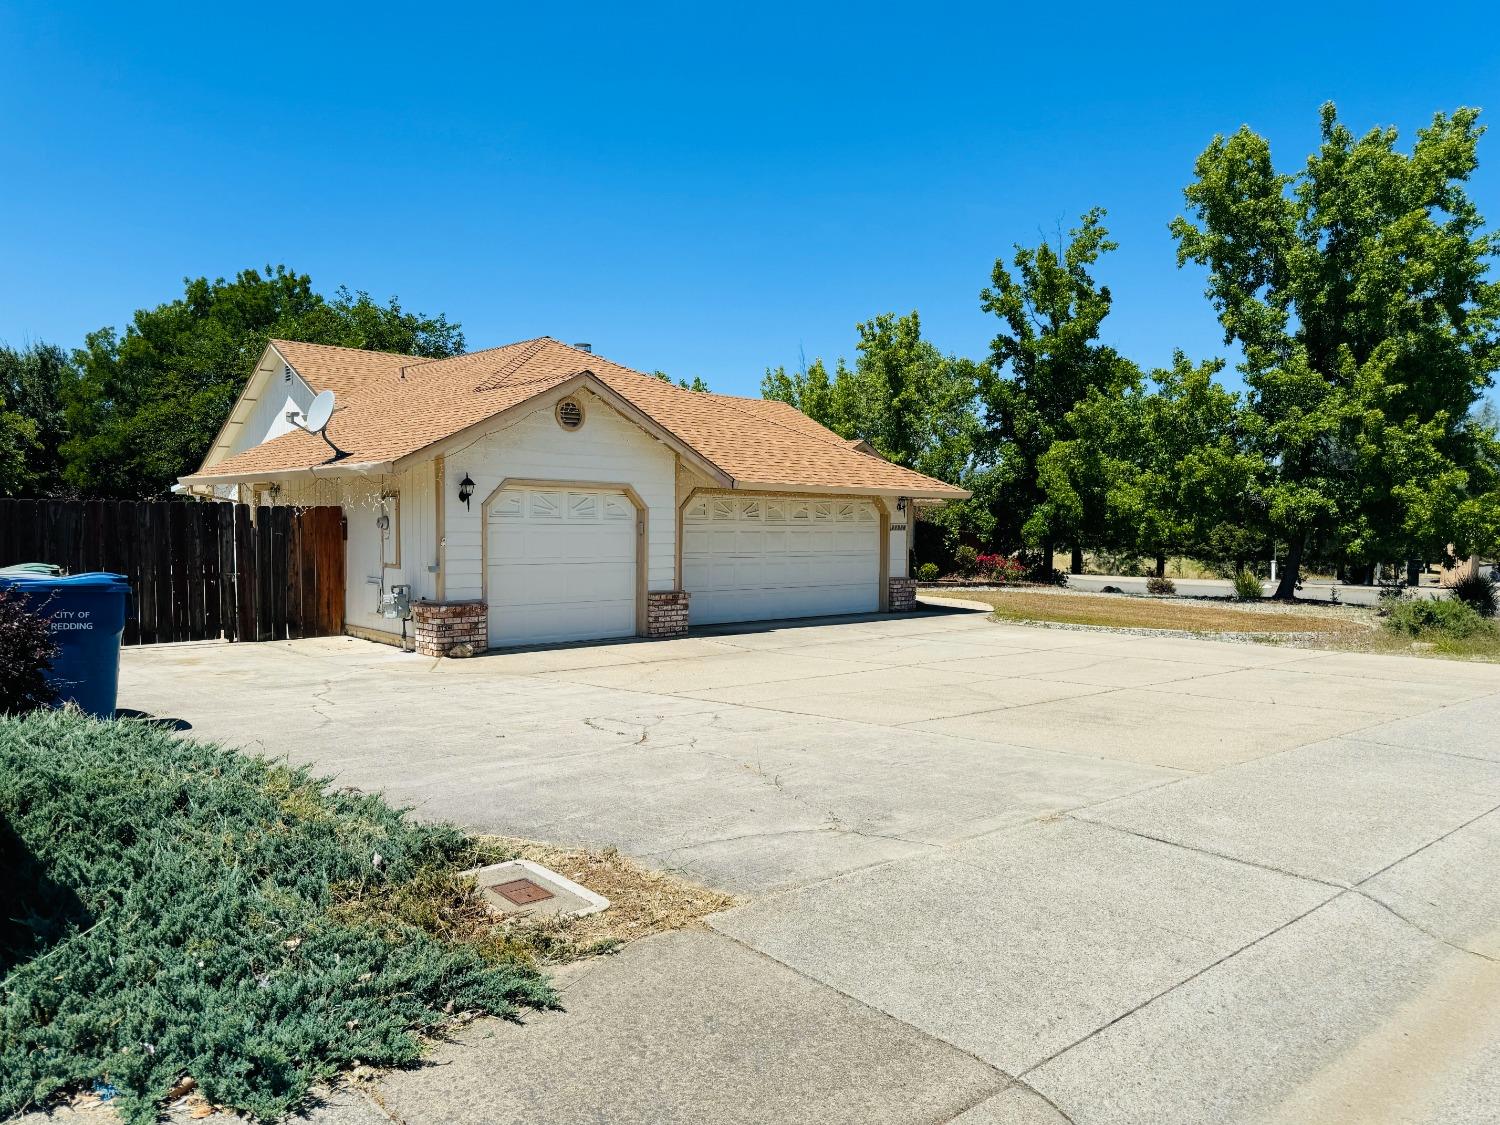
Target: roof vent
{"points": [[569, 414], [585, 348]]}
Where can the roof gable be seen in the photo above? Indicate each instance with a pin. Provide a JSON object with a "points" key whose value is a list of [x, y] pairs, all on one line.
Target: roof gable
{"points": [[392, 407]]}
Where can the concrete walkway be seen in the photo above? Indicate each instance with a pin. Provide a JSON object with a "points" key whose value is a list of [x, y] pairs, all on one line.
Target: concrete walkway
{"points": [[992, 873]]}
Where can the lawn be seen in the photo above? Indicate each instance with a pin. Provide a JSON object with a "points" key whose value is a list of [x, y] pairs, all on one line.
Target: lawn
{"points": [[1128, 612], [180, 910], [1348, 628]]}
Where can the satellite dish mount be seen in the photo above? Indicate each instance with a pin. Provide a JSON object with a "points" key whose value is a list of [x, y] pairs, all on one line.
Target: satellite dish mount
{"points": [[315, 420]]}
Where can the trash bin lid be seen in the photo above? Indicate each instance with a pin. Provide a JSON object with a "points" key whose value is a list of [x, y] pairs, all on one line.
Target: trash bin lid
{"points": [[31, 568], [95, 581]]}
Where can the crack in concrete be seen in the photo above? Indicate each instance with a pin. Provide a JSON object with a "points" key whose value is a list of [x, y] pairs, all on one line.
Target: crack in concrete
{"points": [[320, 700], [645, 728]]}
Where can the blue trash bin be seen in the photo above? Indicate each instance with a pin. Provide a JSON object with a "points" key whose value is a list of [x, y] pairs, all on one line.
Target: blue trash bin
{"points": [[86, 617]]}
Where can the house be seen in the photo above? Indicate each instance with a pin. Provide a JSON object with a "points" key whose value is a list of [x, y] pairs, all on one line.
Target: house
{"points": [[537, 492]]}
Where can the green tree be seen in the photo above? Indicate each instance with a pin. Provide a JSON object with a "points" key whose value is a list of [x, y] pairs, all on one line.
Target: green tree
{"points": [[698, 383], [1358, 289], [1044, 361], [914, 404], [146, 405], [33, 381], [809, 390], [18, 445], [1157, 470]]}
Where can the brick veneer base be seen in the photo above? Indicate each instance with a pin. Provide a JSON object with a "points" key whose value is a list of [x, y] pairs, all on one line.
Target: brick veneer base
{"points": [[451, 628], [903, 595], [667, 613]]}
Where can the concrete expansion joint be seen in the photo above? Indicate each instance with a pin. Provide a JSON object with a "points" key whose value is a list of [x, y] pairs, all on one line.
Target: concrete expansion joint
{"points": [[1210, 967], [1329, 883], [1006, 1079], [1437, 937]]}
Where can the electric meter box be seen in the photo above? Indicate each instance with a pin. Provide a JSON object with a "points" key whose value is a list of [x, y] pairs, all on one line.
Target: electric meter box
{"points": [[396, 604]]}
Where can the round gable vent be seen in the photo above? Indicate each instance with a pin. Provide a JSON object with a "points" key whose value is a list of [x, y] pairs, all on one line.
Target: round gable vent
{"points": [[569, 414]]}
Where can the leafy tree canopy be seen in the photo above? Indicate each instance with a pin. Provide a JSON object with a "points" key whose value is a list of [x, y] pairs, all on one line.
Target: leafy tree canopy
{"points": [[1358, 288], [146, 405], [1159, 469], [18, 447], [33, 380], [1044, 361], [914, 404], [698, 383]]}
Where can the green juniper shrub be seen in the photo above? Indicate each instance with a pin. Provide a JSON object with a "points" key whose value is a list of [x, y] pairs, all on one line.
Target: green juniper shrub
{"points": [[1443, 617], [237, 928], [927, 572], [1477, 592], [1247, 587], [1160, 585], [26, 654]]}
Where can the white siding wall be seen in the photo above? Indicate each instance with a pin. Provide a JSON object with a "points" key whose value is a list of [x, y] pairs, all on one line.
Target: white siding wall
{"points": [[607, 449], [267, 418], [898, 538], [419, 556]]}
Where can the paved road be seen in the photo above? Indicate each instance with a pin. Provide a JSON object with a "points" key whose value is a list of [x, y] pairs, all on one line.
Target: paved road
{"points": [[991, 873]]}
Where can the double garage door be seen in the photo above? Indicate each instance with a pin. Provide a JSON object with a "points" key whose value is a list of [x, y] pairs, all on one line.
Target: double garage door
{"points": [[755, 559], [562, 562]]}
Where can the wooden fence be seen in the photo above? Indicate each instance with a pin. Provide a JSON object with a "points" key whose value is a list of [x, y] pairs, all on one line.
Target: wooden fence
{"points": [[197, 571]]}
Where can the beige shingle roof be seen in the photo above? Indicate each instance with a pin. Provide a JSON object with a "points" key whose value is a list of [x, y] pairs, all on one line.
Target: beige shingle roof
{"points": [[392, 406]]}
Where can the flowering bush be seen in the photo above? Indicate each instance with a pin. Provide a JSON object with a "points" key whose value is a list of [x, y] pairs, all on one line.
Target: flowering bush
{"points": [[1000, 569]]}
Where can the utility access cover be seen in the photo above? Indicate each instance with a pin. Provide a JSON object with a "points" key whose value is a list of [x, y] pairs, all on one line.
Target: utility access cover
{"points": [[522, 892], [519, 886]]}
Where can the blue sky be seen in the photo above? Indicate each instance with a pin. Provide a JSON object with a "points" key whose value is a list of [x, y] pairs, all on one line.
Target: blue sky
{"points": [[703, 189]]}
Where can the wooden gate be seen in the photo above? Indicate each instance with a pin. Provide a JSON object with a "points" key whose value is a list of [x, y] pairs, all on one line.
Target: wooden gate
{"points": [[197, 571]]}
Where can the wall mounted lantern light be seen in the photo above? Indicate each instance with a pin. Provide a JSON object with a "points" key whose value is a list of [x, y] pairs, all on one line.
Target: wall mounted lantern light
{"points": [[465, 489], [901, 504]]}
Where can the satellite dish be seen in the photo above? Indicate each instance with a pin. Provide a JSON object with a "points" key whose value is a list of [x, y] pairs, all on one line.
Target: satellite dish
{"points": [[315, 421], [319, 413]]}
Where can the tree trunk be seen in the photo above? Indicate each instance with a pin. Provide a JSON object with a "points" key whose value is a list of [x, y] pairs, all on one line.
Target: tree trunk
{"points": [[1075, 565], [1047, 558], [1286, 589], [1413, 572], [1161, 566]]}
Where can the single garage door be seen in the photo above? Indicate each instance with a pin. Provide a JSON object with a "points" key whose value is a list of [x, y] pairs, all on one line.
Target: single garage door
{"points": [[561, 566], [750, 560]]}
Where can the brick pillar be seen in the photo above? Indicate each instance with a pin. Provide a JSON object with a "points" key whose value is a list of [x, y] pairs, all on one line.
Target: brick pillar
{"points": [[451, 628], [667, 613], [903, 595]]}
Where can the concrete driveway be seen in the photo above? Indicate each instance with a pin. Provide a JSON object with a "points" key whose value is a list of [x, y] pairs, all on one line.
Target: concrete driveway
{"points": [[991, 873]]}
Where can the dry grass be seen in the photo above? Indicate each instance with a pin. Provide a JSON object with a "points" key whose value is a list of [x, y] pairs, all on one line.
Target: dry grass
{"points": [[1115, 611], [642, 901], [1345, 628], [443, 902]]}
